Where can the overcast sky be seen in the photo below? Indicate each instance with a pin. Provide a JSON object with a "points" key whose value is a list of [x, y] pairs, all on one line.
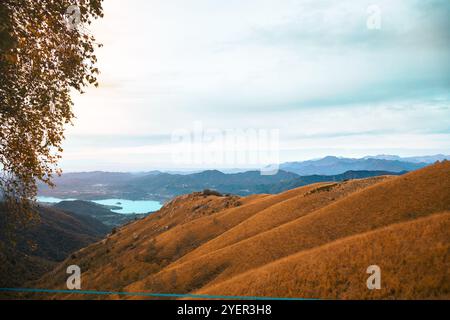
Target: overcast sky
{"points": [[311, 69]]}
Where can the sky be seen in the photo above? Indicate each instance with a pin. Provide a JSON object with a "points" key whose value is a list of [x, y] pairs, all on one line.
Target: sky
{"points": [[308, 79]]}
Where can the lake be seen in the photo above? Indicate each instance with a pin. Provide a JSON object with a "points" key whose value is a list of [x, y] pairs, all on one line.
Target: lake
{"points": [[128, 206]]}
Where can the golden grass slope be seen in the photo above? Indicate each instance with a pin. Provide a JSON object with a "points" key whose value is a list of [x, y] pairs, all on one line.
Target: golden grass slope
{"points": [[310, 198], [414, 258], [207, 244], [145, 247], [395, 200]]}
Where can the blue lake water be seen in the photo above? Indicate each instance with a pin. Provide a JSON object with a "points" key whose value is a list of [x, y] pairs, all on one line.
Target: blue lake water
{"points": [[128, 206]]}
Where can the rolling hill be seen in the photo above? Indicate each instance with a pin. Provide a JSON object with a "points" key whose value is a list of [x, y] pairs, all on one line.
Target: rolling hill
{"points": [[336, 270], [315, 241]]}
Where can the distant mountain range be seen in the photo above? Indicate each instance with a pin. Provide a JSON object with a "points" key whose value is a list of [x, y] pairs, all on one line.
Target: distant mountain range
{"points": [[420, 159], [334, 165], [161, 186], [165, 186]]}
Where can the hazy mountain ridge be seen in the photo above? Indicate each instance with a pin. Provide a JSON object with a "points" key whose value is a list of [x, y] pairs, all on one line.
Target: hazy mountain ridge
{"points": [[417, 159], [162, 186], [333, 165], [165, 186]]}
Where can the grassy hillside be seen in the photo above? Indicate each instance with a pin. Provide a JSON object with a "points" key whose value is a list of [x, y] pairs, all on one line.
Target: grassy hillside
{"points": [[285, 244], [37, 248], [413, 256]]}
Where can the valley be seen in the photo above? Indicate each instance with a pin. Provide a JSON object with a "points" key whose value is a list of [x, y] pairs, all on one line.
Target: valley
{"points": [[314, 241]]}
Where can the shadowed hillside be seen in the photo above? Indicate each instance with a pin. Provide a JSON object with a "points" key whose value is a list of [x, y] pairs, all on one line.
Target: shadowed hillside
{"points": [[314, 241], [334, 165], [35, 249]]}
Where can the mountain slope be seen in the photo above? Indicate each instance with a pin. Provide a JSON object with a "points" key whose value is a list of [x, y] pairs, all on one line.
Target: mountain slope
{"points": [[200, 243], [45, 243], [338, 270], [377, 206], [311, 198]]}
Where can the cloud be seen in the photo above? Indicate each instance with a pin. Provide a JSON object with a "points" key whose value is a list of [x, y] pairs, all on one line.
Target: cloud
{"points": [[310, 68]]}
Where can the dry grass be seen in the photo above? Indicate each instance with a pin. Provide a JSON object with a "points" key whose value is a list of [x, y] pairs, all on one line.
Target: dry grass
{"points": [[282, 212], [307, 242], [414, 258]]}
